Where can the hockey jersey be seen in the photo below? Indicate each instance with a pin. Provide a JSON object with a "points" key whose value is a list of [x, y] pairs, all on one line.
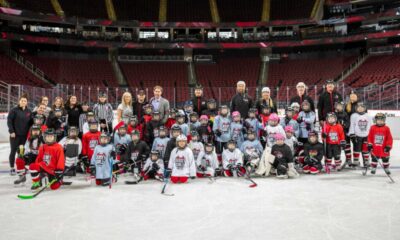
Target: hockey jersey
{"points": [[89, 142], [160, 144], [291, 122], [252, 148], [315, 151], [271, 131], [182, 163], [237, 133], [253, 124], [223, 125], [32, 146], [149, 165], [335, 134], [72, 148], [306, 123], [360, 124], [51, 158], [282, 153], [196, 147], [206, 134], [209, 161], [231, 158], [292, 143], [102, 160], [184, 128], [380, 137], [123, 140]]}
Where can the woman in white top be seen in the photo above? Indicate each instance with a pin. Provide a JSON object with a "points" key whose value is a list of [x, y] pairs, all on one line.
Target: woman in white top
{"points": [[125, 110], [44, 100]]}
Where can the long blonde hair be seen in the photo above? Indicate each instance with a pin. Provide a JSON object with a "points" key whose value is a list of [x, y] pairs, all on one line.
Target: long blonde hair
{"points": [[123, 99]]}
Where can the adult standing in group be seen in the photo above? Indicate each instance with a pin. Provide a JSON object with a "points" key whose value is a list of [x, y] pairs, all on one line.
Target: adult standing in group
{"points": [[18, 122], [199, 103], [327, 100], [302, 95], [104, 111], [138, 105], [241, 102], [266, 100], [160, 104], [125, 110], [44, 100], [73, 110], [352, 103]]}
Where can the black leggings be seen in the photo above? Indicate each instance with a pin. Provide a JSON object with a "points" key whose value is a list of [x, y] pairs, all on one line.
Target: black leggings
{"points": [[14, 145]]}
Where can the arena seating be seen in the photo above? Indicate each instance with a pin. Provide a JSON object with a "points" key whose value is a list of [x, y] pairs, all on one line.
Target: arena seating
{"points": [[141, 10], [239, 10], [376, 69], [14, 73], [288, 9], [79, 72], [188, 10], [91, 9], [40, 6]]}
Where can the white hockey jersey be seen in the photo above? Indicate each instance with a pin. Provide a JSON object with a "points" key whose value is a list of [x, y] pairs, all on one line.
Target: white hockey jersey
{"points": [[182, 163], [118, 139], [196, 147], [291, 142], [160, 144], [360, 124], [72, 148], [32, 146], [208, 160], [271, 131], [149, 164], [231, 158]]}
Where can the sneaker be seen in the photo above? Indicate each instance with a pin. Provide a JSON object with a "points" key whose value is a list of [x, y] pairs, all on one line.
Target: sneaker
{"points": [[306, 169], [36, 185], [20, 180], [12, 172]]}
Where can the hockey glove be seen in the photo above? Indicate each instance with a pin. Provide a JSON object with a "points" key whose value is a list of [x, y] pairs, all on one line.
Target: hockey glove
{"points": [[370, 147], [387, 149]]}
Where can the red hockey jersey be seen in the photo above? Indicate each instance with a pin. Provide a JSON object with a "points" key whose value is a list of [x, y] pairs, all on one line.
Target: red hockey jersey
{"points": [[89, 142], [51, 158], [170, 122], [139, 128], [335, 133], [380, 137]]}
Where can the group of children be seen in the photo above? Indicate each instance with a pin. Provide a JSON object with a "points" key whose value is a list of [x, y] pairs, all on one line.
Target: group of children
{"points": [[215, 143]]}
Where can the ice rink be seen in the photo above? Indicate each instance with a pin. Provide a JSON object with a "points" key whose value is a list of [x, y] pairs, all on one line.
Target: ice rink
{"points": [[343, 205]]}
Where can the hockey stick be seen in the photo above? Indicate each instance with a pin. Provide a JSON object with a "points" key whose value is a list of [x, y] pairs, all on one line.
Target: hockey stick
{"points": [[247, 177], [46, 186], [391, 179], [166, 181]]}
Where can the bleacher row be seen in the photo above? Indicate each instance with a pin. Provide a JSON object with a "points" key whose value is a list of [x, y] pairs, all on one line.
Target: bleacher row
{"points": [[177, 10], [224, 73]]}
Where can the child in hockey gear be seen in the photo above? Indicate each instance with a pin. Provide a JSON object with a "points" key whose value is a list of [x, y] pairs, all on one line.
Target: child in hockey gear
{"points": [[180, 122], [264, 115], [181, 164], [360, 124], [290, 139], [188, 109], [57, 122], [27, 154], [296, 109], [272, 129], [89, 142], [160, 143], [104, 110], [72, 146], [135, 154], [314, 152], [333, 135], [102, 161], [205, 132], [380, 142], [135, 125], [171, 119], [207, 162], [232, 160], [154, 167], [289, 121], [237, 129], [40, 120], [252, 122], [196, 145], [344, 120], [82, 117], [50, 162], [252, 150], [148, 110], [104, 126], [152, 127], [121, 141], [283, 162], [193, 121], [175, 132], [89, 118], [306, 120], [211, 110], [221, 128]]}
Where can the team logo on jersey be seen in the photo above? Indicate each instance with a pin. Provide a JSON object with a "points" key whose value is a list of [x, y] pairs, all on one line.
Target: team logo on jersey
{"points": [[160, 147], [225, 126], [278, 154], [93, 143], [156, 132], [180, 162], [100, 159], [232, 161], [362, 124], [333, 136], [204, 137], [134, 155], [313, 153], [378, 140], [47, 158]]}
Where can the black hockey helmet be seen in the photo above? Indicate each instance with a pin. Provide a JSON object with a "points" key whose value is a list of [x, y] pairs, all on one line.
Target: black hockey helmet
{"points": [[381, 117], [73, 132], [361, 108], [50, 136], [93, 125], [312, 135], [104, 138], [331, 118], [154, 155], [208, 147], [38, 119]]}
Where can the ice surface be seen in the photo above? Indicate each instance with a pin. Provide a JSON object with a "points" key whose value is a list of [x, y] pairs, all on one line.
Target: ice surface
{"points": [[343, 205]]}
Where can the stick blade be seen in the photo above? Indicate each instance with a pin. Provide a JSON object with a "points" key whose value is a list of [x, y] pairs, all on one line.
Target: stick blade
{"points": [[253, 185], [26, 196]]}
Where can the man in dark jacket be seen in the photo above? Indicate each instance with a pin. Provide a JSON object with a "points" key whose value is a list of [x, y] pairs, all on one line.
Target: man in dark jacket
{"points": [[327, 100], [139, 104], [18, 121], [301, 96], [241, 102], [199, 103]]}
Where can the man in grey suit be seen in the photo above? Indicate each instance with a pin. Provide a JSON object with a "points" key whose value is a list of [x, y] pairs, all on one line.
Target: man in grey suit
{"points": [[160, 104]]}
